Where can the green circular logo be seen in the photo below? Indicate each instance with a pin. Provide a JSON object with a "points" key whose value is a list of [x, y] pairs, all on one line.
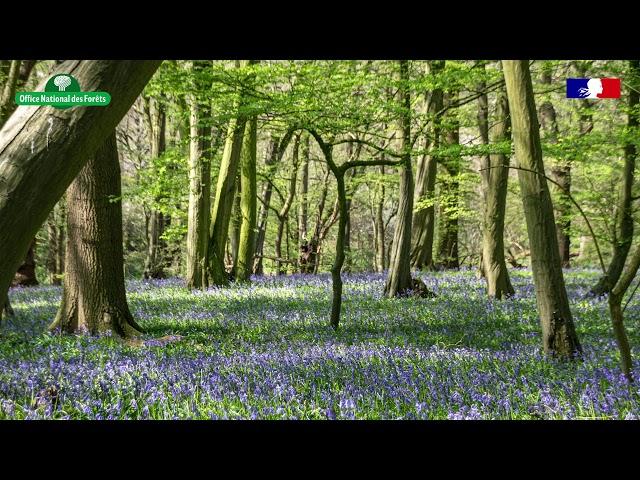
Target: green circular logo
{"points": [[63, 82]]}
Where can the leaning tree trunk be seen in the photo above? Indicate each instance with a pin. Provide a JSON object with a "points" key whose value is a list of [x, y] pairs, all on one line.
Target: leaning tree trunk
{"points": [[623, 234], [558, 332], [561, 173], [303, 216], [199, 194], [43, 149], [93, 297], [423, 223], [495, 178]]}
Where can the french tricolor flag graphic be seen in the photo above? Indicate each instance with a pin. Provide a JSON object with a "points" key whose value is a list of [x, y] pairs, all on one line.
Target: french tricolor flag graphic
{"points": [[593, 88]]}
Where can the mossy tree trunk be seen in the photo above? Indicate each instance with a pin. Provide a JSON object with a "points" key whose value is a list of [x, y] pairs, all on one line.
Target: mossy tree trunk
{"points": [[225, 190], [93, 297], [559, 337], [44, 149], [283, 214], [199, 191], [248, 202]]}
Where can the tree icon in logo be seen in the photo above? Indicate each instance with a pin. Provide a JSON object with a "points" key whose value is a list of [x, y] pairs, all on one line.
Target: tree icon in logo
{"points": [[62, 82]]}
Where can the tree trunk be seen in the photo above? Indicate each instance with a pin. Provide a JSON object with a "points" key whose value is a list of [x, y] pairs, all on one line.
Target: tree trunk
{"points": [[43, 150], [303, 217], [199, 193], [26, 274], [399, 276], [94, 298], [423, 222], [156, 248], [379, 236], [8, 91], [449, 198], [616, 311], [623, 234], [235, 224], [275, 153], [558, 332], [561, 173], [283, 215], [248, 202], [495, 179], [224, 196]]}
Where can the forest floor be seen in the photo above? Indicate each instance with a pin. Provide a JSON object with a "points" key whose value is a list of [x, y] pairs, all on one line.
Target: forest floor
{"points": [[266, 350]]}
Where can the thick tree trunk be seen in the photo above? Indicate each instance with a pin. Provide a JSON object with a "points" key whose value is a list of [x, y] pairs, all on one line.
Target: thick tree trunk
{"points": [[94, 298], [248, 202], [156, 247], [423, 223], [623, 234], [399, 280], [43, 149], [561, 173], [558, 332], [224, 196], [495, 178], [199, 194]]}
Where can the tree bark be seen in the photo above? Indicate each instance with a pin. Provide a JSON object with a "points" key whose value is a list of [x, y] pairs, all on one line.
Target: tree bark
{"points": [[561, 173], [616, 311], [303, 217], [94, 298], [26, 274], [623, 234], [42, 150], [224, 196], [399, 280], [423, 223], [248, 202], [495, 179], [558, 332], [199, 192], [379, 228], [9, 90]]}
